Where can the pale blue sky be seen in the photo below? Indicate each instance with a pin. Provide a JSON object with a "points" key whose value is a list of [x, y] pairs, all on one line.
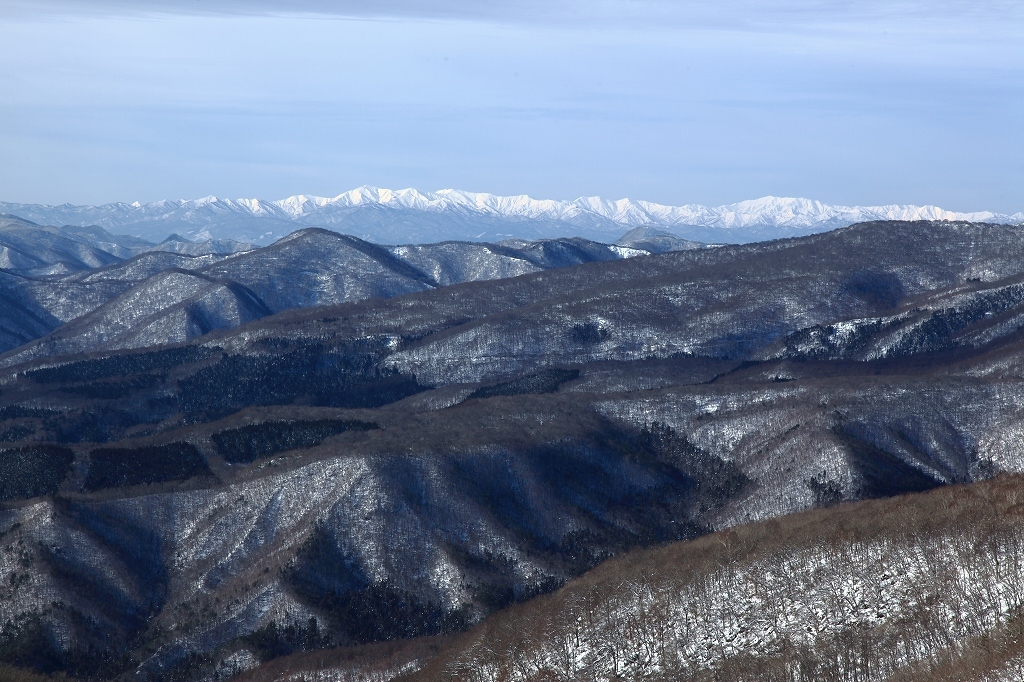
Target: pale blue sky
{"points": [[850, 103]]}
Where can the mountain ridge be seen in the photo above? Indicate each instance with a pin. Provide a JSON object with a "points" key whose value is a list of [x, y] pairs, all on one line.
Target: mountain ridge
{"points": [[408, 215], [310, 267]]}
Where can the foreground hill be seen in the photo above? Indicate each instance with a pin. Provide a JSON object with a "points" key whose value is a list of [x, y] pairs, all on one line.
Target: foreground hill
{"points": [[927, 587], [385, 469]]}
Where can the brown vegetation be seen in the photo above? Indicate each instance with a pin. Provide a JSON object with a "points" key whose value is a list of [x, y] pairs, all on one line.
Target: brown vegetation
{"points": [[638, 616]]}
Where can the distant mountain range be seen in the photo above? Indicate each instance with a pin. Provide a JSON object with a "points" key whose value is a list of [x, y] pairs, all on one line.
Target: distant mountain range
{"points": [[408, 216]]}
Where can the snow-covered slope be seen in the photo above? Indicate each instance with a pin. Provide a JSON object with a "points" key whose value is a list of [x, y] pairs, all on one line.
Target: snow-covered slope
{"points": [[134, 302], [915, 588], [403, 216]]}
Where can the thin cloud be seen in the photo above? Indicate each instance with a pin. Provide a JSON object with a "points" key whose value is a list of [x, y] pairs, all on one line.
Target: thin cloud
{"points": [[745, 14]]}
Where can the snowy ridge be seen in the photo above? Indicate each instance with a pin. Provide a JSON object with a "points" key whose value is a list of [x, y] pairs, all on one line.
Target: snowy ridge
{"points": [[775, 211], [411, 216]]}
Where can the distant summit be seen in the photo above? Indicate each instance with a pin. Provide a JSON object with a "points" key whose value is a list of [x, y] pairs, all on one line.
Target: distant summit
{"points": [[176, 243], [656, 241], [408, 216]]}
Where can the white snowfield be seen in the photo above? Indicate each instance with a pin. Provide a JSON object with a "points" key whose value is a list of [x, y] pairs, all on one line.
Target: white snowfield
{"points": [[411, 216]]}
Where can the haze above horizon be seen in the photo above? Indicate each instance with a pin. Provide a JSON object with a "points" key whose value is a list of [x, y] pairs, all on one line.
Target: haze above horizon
{"points": [[856, 104]]}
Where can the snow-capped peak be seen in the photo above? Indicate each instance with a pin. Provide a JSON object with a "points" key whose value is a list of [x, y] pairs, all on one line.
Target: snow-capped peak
{"points": [[766, 211]]}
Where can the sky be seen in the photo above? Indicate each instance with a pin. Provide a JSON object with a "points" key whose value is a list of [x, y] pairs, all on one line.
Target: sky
{"points": [[853, 103]]}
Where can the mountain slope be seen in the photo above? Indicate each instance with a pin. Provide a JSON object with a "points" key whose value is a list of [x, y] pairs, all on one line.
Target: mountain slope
{"points": [[29, 249], [21, 318], [38, 305], [169, 307], [726, 302], [915, 588], [51, 275], [309, 268]]}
